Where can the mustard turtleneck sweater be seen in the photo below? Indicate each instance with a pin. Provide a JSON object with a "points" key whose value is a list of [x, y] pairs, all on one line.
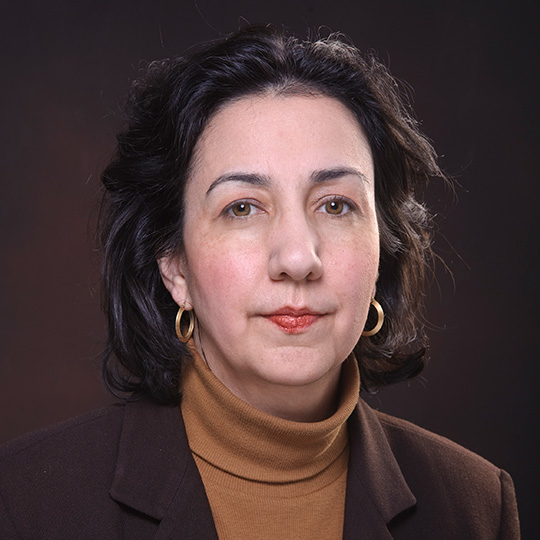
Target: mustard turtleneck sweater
{"points": [[265, 477]]}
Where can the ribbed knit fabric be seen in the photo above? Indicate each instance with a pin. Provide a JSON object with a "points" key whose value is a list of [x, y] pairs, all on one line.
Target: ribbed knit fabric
{"points": [[265, 477]]}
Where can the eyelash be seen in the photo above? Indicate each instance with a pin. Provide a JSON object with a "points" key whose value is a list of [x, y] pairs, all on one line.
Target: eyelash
{"points": [[348, 206]]}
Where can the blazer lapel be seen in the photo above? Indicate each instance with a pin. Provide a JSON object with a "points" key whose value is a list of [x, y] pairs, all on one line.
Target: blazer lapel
{"points": [[156, 476], [376, 489]]}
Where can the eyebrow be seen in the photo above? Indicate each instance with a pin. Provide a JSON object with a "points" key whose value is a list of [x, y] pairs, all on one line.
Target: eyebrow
{"points": [[317, 177], [324, 175], [247, 178]]}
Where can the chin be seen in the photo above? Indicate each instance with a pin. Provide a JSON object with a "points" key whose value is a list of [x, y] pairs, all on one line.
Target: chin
{"points": [[295, 367]]}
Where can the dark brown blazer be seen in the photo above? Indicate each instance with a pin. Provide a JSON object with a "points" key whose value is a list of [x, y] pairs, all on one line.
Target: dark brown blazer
{"points": [[126, 472]]}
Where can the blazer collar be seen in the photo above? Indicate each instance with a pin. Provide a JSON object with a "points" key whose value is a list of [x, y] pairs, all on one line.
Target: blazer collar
{"points": [[156, 475], [376, 489]]}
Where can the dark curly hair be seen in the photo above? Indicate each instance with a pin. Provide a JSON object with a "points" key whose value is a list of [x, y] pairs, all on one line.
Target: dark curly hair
{"points": [[142, 211]]}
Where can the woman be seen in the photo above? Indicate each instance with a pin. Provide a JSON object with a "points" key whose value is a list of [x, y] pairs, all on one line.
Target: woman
{"points": [[264, 258]]}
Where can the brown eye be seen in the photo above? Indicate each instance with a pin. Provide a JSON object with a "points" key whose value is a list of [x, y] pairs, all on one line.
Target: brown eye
{"points": [[334, 207], [241, 209]]}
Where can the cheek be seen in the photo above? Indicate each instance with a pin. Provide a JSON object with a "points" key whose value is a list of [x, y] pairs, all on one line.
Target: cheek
{"points": [[354, 275], [356, 280], [221, 276], [355, 260]]}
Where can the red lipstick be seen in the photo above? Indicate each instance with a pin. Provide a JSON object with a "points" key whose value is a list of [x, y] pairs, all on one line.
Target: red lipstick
{"points": [[293, 321]]}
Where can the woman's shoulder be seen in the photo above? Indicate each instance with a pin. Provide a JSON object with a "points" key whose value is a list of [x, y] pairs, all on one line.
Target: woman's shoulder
{"points": [[52, 481], [449, 481], [83, 430], [82, 450], [407, 434], [424, 458], [412, 442]]}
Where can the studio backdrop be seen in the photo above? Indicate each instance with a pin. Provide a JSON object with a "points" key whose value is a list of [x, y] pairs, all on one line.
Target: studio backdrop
{"points": [[470, 71]]}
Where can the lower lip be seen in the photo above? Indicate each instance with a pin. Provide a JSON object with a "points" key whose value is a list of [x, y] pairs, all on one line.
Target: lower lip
{"points": [[293, 324]]}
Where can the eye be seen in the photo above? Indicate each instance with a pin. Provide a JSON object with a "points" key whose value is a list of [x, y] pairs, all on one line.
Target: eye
{"points": [[336, 207], [240, 209]]}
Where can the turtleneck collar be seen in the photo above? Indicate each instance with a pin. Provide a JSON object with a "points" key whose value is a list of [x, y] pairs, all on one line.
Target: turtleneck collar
{"points": [[239, 439]]}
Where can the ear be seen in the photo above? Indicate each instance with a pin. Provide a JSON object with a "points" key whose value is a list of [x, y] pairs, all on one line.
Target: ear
{"points": [[173, 275]]}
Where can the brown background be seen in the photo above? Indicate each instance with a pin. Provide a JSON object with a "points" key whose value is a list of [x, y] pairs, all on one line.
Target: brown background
{"points": [[471, 67]]}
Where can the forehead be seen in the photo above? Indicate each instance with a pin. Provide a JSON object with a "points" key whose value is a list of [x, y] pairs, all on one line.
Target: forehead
{"points": [[276, 134]]}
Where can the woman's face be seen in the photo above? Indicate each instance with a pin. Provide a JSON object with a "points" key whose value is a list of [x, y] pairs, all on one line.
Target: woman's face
{"points": [[281, 244]]}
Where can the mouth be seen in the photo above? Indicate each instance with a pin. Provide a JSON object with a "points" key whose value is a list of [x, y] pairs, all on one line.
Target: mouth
{"points": [[292, 320]]}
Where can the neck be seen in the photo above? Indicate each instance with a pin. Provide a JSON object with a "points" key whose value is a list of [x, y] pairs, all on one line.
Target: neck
{"points": [[299, 403], [311, 403]]}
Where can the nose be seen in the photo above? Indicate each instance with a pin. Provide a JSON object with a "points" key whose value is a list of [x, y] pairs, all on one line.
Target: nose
{"points": [[294, 251]]}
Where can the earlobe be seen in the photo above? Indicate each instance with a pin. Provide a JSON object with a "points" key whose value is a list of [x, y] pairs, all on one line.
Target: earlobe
{"points": [[174, 279]]}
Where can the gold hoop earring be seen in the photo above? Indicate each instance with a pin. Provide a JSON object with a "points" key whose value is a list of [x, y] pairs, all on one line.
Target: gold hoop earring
{"points": [[380, 319], [184, 338]]}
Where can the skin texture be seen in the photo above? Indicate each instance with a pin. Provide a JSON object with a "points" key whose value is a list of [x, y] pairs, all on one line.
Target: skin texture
{"points": [[282, 249]]}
